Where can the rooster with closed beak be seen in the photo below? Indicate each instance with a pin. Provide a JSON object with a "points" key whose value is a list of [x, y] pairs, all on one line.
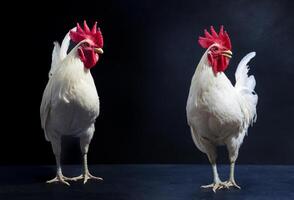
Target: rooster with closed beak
{"points": [[218, 112], [70, 103]]}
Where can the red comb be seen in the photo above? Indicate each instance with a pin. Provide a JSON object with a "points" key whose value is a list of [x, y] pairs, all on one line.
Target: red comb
{"points": [[209, 39], [94, 35]]}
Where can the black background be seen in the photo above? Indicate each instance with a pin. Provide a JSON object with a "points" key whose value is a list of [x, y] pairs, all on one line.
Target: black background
{"points": [[143, 78]]}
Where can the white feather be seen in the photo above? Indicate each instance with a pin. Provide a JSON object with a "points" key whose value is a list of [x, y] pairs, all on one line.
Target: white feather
{"points": [[59, 53], [65, 44], [245, 86], [55, 58], [241, 73]]}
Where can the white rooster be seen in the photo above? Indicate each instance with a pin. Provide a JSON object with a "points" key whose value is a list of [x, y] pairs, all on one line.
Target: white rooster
{"points": [[219, 113], [70, 103]]}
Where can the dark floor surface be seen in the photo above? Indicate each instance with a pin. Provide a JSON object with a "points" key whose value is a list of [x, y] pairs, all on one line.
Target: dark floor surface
{"points": [[146, 182]]}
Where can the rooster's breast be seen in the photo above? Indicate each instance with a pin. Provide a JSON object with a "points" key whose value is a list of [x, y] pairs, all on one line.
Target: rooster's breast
{"points": [[75, 108], [217, 113]]}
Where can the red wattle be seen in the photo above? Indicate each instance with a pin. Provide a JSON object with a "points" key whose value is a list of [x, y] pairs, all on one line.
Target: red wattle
{"points": [[218, 64], [88, 57]]}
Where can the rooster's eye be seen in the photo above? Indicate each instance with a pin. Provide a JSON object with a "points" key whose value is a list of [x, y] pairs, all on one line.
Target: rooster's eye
{"points": [[214, 48], [86, 44]]}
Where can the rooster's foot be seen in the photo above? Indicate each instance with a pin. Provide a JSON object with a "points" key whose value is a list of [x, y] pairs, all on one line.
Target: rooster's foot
{"points": [[61, 179], [86, 177], [215, 186], [232, 183]]}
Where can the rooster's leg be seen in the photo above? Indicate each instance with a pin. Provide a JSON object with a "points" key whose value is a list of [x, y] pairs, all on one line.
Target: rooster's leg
{"points": [[56, 146], [231, 182], [85, 142], [86, 175], [233, 154], [217, 183]]}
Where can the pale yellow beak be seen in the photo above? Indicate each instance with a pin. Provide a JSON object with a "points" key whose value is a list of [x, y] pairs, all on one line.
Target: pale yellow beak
{"points": [[98, 50], [227, 53]]}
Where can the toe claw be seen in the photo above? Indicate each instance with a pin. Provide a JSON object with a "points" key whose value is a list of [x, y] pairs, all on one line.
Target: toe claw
{"points": [[66, 183], [52, 180], [214, 189], [95, 177], [207, 186], [237, 186]]}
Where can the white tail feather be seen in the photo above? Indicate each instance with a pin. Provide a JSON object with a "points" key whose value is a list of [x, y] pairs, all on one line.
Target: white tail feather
{"points": [[55, 58], [59, 53], [65, 44], [242, 70], [245, 86]]}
